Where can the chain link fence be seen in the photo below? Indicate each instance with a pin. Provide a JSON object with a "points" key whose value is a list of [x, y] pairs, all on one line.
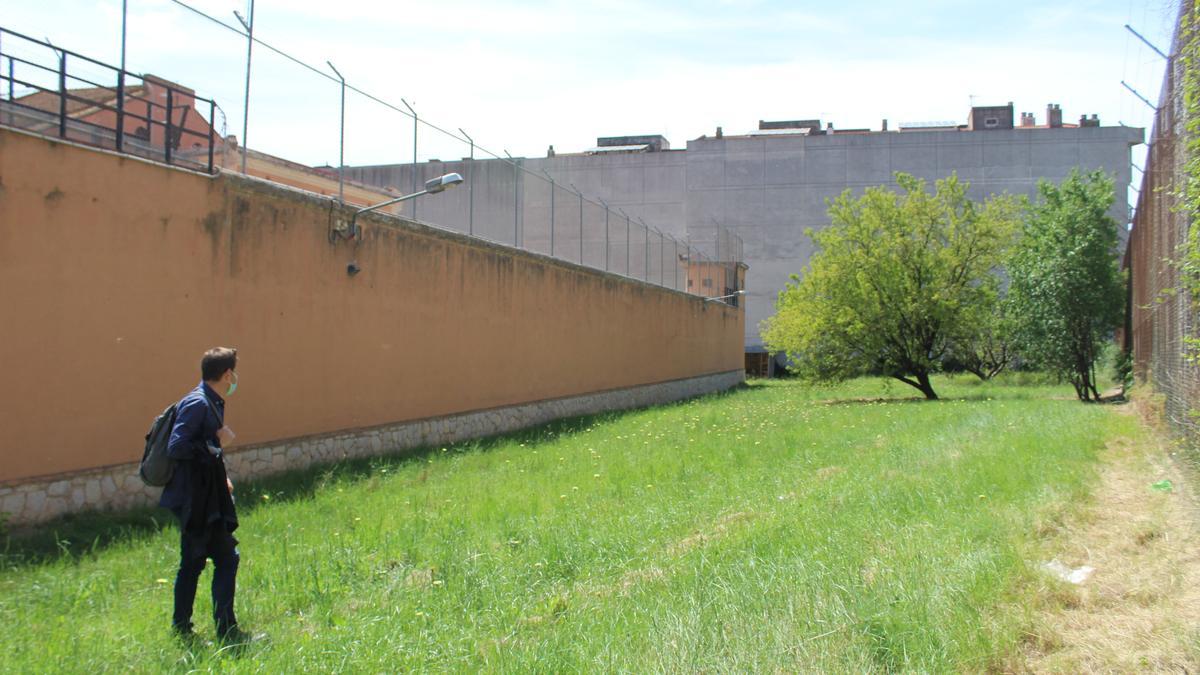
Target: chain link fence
{"points": [[1162, 316]]}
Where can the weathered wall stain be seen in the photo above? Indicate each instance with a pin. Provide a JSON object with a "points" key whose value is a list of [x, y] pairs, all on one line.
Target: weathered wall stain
{"points": [[434, 324]]}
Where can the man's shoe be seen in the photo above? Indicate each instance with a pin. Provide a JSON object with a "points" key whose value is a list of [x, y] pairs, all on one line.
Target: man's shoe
{"points": [[236, 636], [185, 635]]}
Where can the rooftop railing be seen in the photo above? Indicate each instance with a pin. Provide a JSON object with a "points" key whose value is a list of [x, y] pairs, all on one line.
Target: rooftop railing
{"points": [[57, 92]]}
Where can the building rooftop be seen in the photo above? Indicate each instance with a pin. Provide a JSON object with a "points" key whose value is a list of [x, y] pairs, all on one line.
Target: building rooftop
{"points": [[642, 147]]}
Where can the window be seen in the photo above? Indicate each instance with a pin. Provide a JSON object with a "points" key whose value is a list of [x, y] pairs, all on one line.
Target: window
{"points": [[991, 122]]}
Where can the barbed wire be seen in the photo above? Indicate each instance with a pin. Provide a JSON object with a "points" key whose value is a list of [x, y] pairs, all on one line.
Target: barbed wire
{"points": [[420, 120]]}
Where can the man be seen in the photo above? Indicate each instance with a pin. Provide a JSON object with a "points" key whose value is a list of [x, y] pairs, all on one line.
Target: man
{"points": [[200, 495]]}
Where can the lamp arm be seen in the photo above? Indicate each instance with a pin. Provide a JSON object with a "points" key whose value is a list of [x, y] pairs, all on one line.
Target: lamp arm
{"points": [[380, 205]]}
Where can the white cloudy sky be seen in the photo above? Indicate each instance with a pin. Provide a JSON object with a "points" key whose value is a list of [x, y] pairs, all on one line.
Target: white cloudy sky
{"points": [[523, 75]]}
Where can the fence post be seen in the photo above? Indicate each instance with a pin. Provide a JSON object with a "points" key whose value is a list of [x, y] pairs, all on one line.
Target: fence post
{"points": [[341, 138], [121, 110], [212, 120], [414, 162], [551, 213], [516, 198], [662, 263], [168, 130], [606, 244], [248, 24], [581, 221], [627, 230], [470, 186], [646, 257], [62, 94]]}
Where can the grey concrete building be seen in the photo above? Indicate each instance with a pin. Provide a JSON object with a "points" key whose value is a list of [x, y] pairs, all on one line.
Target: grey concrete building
{"points": [[768, 185]]}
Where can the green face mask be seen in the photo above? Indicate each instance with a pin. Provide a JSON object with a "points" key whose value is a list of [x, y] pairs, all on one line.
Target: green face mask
{"points": [[232, 386]]}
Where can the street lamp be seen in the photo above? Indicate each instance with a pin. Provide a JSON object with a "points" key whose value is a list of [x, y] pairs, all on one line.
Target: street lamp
{"points": [[432, 187]]}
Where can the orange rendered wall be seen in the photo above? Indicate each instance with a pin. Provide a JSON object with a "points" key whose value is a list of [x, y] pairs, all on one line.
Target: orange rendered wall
{"points": [[116, 274]]}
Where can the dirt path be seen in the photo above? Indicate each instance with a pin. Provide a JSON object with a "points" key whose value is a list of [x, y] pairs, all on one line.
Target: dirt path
{"points": [[1140, 610]]}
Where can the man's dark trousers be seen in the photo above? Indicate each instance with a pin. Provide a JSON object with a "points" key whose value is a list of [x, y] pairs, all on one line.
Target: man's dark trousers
{"points": [[217, 543]]}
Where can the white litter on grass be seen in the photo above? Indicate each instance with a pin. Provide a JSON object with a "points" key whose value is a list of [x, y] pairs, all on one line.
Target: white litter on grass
{"points": [[1074, 576]]}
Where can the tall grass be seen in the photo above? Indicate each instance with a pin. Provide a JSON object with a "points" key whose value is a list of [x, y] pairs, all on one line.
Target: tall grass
{"points": [[774, 527]]}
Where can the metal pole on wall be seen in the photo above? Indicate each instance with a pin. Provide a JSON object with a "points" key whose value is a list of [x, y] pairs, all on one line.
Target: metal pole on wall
{"points": [[124, 20], [580, 221], [551, 212], [414, 162], [341, 139], [120, 130], [662, 263], [687, 250], [606, 244], [516, 197], [720, 264], [675, 262], [248, 24], [470, 187], [627, 230], [62, 91], [167, 132], [646, 257]]}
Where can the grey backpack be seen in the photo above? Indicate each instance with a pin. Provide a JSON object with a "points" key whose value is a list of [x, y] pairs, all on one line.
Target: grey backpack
{"points": [[156, 468]]}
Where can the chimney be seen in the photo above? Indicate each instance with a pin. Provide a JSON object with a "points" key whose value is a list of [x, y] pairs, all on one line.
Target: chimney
{"points": [[829, 127], [884, 125], [550, 151], [1053, 116], [1028, 120], [1084, 121], [720, 132]]}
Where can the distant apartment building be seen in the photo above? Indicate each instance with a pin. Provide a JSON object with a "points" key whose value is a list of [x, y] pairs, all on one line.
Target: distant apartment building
{"points": [[770, 184]]}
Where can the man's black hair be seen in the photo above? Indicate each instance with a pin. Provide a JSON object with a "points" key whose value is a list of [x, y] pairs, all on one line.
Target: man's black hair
{"points": [[216, 361]]}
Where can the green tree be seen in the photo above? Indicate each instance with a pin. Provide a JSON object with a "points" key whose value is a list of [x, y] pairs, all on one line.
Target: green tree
{"points": [[893, 279], [1067, 290], [984, 345]]}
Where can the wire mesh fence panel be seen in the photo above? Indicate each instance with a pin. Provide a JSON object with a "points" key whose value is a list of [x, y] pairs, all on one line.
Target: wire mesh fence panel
{"points": [[1163, 323], [595, 236]]}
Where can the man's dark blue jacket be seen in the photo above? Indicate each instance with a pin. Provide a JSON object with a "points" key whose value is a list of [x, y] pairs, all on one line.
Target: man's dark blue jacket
{"points": [[197, 492]]}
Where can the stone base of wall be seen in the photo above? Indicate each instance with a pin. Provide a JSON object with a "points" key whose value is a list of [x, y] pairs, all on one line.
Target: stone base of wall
{"points": [[120, 488]]}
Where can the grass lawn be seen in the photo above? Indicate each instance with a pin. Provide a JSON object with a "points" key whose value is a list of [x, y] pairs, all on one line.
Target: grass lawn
{"points": [[775, 527]]}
